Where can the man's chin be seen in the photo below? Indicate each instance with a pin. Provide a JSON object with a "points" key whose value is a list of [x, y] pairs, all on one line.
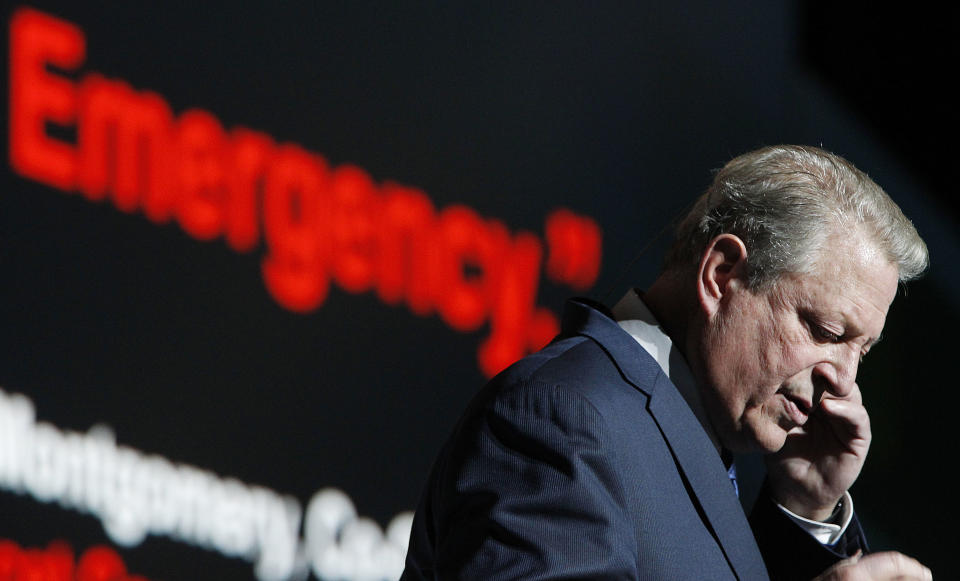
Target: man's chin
{"points": [[773, 441], [753, 433], [767, 440]]}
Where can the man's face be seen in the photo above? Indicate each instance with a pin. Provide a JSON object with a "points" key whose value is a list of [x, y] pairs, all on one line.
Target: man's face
{"points": [[770, 356]]}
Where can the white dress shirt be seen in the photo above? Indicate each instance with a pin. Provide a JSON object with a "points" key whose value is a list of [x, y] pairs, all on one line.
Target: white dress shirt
{"points": [[636, 319]]}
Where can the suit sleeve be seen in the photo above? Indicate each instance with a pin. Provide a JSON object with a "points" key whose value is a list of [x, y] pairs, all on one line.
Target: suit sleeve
{"points": [[792, 554], [528, 493]]}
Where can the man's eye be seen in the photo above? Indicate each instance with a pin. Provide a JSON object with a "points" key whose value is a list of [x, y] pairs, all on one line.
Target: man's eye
{"points": [[824, 334]]}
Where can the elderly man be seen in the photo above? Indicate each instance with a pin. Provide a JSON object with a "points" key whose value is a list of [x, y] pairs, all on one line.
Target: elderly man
{"points": [[607, 454]]}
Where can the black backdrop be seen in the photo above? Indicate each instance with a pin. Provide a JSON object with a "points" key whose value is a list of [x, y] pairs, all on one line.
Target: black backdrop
{"points": [[617, 111]]}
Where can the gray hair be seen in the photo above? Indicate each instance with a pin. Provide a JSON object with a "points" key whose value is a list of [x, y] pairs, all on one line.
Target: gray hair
{"points": [[784, 202]]}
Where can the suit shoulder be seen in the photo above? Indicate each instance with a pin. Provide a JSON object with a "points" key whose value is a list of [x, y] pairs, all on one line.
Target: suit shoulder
{"points": [[577, 365]]}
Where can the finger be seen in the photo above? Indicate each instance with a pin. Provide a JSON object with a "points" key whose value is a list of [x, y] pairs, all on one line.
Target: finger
{"points": [[849, 418], [855, 395], [887, 566], [893, 565]]}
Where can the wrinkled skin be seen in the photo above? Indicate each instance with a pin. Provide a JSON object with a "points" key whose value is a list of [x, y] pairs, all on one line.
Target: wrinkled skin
{"points": [[782, 365]]}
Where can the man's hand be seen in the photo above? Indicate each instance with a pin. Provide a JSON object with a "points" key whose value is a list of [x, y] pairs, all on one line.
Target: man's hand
{"points": [[821, 459], [877, 567]]}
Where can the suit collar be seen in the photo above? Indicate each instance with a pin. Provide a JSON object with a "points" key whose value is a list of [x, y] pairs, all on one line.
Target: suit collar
{"points": [[591, 319], [633, 315]]}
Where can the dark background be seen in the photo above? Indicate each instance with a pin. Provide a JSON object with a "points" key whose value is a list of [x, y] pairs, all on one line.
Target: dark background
{"points": [[617, 111]]}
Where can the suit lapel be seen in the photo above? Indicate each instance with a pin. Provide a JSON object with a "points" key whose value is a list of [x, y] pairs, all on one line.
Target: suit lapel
{"points": [[695, 455], [707, 479]]}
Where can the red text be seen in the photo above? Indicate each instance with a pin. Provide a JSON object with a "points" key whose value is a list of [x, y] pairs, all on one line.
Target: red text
{"points": [[320, 225], [56, 563]]}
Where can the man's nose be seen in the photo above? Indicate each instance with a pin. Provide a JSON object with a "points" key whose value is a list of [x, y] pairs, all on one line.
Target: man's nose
{"points": [[838, 375]]}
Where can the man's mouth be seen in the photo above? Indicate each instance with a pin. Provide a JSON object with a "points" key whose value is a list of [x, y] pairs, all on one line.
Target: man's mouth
{"points": [[796, 407]]}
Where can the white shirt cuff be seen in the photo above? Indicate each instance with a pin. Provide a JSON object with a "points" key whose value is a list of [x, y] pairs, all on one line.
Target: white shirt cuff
{"points": [[826, 533]]}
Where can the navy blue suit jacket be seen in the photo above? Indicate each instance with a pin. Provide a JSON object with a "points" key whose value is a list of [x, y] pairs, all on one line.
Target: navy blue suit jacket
{"points": [[583, 461]]}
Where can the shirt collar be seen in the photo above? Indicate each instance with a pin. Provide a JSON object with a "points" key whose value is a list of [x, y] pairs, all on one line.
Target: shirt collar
{"points": [[636, 319]]}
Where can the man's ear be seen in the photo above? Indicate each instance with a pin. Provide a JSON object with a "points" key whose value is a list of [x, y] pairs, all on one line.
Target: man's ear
{"points": [[723, 268]]}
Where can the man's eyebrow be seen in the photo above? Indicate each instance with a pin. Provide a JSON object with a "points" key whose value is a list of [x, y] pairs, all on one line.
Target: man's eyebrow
{"points": [[853, 329]]}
